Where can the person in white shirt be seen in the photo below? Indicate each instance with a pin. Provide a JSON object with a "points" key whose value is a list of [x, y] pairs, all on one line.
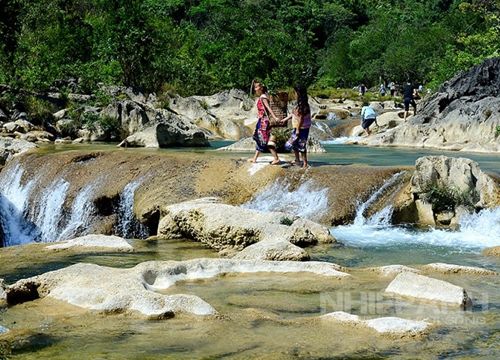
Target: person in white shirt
{"points": [[368, 117]]}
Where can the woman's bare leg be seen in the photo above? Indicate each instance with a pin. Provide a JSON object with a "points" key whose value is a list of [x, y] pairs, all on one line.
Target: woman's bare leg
{"points": [[254, 159], [304, 158], [275, 156]]}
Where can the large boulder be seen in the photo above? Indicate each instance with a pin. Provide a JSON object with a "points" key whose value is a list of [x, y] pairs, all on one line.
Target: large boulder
{"points": [[165, 135], [443, 189], [462, 115], [10, 147], [223, 227]]}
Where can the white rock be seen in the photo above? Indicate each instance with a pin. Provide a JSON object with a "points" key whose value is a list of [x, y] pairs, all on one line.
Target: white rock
{"points": [[384, 325], [114, 290], [422, 287], [395, 325], [271, 250], [94, 241]]}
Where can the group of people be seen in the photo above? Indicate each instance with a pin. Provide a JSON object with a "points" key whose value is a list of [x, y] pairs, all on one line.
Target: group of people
{"points": [[410, 94], [301, 123]]}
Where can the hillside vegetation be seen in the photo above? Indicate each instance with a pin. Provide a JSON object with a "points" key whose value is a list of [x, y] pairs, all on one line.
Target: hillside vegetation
{"points": [[203, 46]]}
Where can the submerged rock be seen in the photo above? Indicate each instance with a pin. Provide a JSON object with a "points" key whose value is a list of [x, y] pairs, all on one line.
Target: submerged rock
{"points": [[492, 251], [114, 290], [385, 325], [457, 269], [416, 286], [94, 241], [392, 270]]}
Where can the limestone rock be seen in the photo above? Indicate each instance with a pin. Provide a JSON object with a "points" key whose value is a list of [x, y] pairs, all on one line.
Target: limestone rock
{"points": [[94, 241], [392, 270], [37, 135], [3, 295], [416, 286], [165, 135], [492, 251], [462, 115], [457, 269], [385, 325], [224, 226], [112, 290], [3, 330], [273, 250], [461, 174], [10, 147]]}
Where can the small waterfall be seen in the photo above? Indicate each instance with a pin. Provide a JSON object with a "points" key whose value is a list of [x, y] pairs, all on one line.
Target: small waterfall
{"points": [[81, 214], [305, 201], [128, 226], [13, 208], [360, 211], [342, 140], [51, 210]]}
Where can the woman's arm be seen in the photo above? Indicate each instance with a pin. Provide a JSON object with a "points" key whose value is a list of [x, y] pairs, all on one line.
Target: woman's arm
{"points": [[265, 101]]}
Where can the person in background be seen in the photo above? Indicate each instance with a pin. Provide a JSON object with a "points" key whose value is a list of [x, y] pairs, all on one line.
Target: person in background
{"points": [[382, 90], [408, 98], [262, 131], [362, 89], [301, 123], [368, 117], [392, 88]]}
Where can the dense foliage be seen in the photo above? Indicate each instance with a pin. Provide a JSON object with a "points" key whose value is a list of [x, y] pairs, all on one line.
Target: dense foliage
{"points": [[202, 46]]}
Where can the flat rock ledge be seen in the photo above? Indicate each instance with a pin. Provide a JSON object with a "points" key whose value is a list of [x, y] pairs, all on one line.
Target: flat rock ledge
{"points": [[393, 326], [262, 235], [94, 241], [112, 290], [392, 270], [408, 284], [457, 269]]}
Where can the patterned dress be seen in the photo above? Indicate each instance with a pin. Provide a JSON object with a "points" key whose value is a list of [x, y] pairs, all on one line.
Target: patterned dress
{"points": [[263, 128]]}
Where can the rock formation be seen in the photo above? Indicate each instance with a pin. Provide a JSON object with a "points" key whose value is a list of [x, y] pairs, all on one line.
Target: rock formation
{"points": [[464, 114], [10, 147]]}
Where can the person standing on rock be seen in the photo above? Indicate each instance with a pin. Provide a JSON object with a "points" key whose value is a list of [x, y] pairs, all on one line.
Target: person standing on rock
{"points": [[408, 98], [262, 131], [368, 117], [301, 123]]}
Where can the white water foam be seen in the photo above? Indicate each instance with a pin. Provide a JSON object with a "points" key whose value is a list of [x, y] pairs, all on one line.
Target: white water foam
{"points": [[342, 140], [360, 218], [13, 201], [306, 201], [81, 214], [128, 226], [50, 210]]}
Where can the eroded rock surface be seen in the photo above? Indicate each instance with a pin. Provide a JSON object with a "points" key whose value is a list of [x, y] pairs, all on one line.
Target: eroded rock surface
{"points": [[94, 241], [457, 269], [385, 325], [113, 290], [421, 287], [224, 226], [10, 147]]}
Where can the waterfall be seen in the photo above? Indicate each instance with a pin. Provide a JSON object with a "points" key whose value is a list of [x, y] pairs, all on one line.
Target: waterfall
{"points": [[51, 210], [305, 201], [342, 140], [13, 208], [383, 214], [128, 226], [81, 213]]}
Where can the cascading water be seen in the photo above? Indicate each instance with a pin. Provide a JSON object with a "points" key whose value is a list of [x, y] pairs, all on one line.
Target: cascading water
{"points": [[342, 140], [13, 207], [51, 209], [81, 214], [476, 231], [305, 201], [360, 212], [128, 226]]}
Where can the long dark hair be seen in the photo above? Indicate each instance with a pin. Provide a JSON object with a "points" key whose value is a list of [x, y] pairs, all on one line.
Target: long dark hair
{"points": [[302, 100]]}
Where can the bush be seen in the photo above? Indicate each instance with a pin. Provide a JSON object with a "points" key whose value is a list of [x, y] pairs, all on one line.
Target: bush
{"points": [[285, 220], [445, 198]]}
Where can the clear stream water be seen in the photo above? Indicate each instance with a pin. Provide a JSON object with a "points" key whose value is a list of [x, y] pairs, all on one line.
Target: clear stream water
{"points": [[275, 316]]}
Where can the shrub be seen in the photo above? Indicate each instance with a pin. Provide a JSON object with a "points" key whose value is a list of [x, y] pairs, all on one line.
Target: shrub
{"points": [[446, 198], [285, 220]]}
